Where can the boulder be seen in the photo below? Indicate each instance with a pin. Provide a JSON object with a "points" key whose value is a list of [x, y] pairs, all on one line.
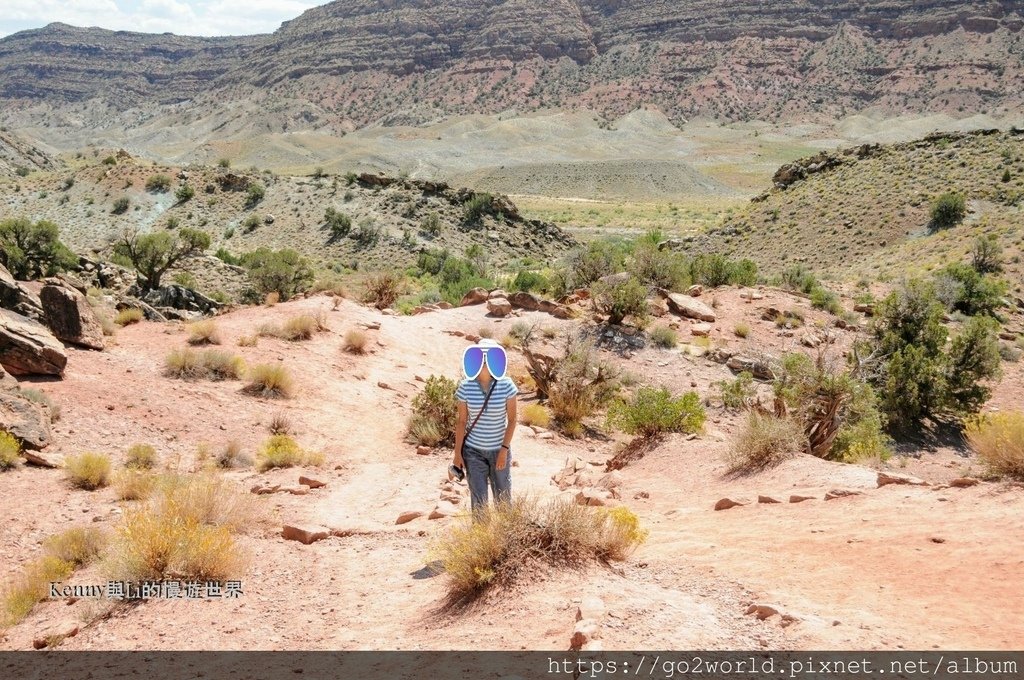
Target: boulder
{"points": [[497, 293], [499, 306], [523, 300], [475, 296], [27, 347], [695, 290], [69, 315], [758, 367], [27, 420], [18, 298], [555, 309], [176, 296], [701, 329], [692, 308], [885, 478]]}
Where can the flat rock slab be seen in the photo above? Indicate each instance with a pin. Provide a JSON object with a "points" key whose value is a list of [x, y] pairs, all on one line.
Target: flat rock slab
{"points": [[964, 482], [305, 534], [28, 347], [690, 307], [70, 317], [886, 478], [28, 421], [800, 498], [311, 483], [841, 493]]}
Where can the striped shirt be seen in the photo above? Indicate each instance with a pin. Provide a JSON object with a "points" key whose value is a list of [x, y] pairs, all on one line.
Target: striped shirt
{"points": [[489, 431]]}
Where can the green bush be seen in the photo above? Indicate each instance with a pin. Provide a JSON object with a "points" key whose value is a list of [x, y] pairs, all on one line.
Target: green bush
{"points": [[527, 280], [431, 224], [663, 336], [153, 254], [254, 194], [799, 278], [478, 205], [185, 193], [661, 268], [10, 450], [948, 210], [284, 271], [120, 206], [652, 411], [434, 410], [619, 300], [765, 441], [738, 392], [599, 258], [338, 223], [33, 250], [158, 183], [822, 298], [964, 289], [987, 255], [581, 385]]}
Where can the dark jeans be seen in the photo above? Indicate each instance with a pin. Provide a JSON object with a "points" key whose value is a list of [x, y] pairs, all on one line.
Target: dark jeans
{"points": [[481, 471]]}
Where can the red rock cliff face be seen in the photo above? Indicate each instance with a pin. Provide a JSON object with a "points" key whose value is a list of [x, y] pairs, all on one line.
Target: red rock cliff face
{"points": [[359, 61]]}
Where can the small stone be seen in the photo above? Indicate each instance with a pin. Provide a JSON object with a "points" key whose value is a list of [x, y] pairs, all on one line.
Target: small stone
{"points": [[442, 510], [937, 539], [299, 490], [761, 611], [964, 482], [408, 516], [726, 503], [885, 478], [800, 498], [304, 534], [591, 607], [767, 499], [383, 385], [423, 450], [701, 329], [584, 632], [263, 489], [841, 493], [311, 483]]}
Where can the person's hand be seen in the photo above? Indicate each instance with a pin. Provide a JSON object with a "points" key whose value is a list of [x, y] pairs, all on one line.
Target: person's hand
{"points": [[502, 459], [457, 460]]}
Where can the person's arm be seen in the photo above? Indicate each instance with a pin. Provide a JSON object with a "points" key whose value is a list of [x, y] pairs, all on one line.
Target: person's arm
{"points": [[510, 428], [461, 416]]}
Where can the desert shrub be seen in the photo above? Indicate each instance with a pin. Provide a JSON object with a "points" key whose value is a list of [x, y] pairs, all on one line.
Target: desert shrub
{"points": [[425, 431], [30, 586], [713, 270], [271, 299], [31, 250], [535, 414], [478, 205], [619, 300], [133, 485], [663, 336], [203, 332], [284, 271], [987, 255], [742, 330], [224, 163], [797, 277], [338, 223], [280, 423], [154, 253], [231, 455], [301, 327], [369, 233], [738, 392], [77, 546], [998, 439], [226, 256], [527, 280], [248, 340], [960, 287], [599, 258], [158, 183], [128, 316], [211, 364], [355, 341], [42, 398], [434, 409], [1010, 353], [120, 206], [651, 411], [661, 268], [791, 318], [822, 298], [948, 210], [87, 471], [383, 288], [917, 373], [10, 450], [764, 441], [254, 194], [185, 193], [279, 451], [21, 171], [431, 224], [140, 457], [183, 363], [270, 380], [505, 539]]}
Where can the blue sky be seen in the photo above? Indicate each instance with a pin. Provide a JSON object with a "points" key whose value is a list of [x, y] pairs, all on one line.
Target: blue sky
{"points": [[184, 17]]}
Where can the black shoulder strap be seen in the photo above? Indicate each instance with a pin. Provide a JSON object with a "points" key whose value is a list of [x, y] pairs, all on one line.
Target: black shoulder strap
{"points": [[486, 399]]}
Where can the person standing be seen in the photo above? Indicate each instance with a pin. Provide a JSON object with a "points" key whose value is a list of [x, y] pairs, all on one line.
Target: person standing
{"points": [[485, 423]]}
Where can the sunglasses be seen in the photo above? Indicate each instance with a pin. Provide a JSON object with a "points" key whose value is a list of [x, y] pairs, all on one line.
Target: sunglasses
{"points": [[473, 361]]}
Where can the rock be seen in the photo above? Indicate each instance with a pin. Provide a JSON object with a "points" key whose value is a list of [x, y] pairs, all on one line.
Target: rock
{"points": [[27, 420], [524, 300], [17, 298], [444, 305], [657, 307], [726, 503], [701, 329], [885, 478], [43, 459], [264, 489], [499, 306], [761, 611], [408, 516], [442, 510], [423, 450], [593, 497], [304, 534], [591, 607], [70, 317], [692, 308], [554, 309], [610, 480], [475, 296], [311, 483], [810, 339], [964, 482], [584, 632], [841, 493], [451, 496], [758, 367], [497, 293], [695, 290], [54, 633], [299, 490], [767, 499], [176, 296], [865, 309], [800, 498], [27, 347], [268, 219], [593, 646]]}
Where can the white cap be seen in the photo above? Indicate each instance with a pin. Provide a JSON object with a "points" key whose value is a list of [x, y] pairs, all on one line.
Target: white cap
{"points": [[487, 342]]}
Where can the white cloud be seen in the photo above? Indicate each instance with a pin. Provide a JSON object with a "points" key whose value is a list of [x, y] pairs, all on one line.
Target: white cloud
{"points": [[184, 17]]}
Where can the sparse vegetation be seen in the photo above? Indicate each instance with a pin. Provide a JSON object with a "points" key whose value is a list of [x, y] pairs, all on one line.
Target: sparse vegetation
{"points": [[284, 271], [948, 210], [154, 253], [355, 341], [535, 414], [433, 412], [383, 289], [203, 332], [478, 205], [270, 380], [140, 457], [10, 450], [209, 364], [621, 299], [663, 336], [742, 330], [737, 393], [279, 451], [338, 223], [998, 439], [30, 586], [764, 441], [652, 411], [120, 206], [128, 316], [89, 471], [77, 546], [158, 183]]}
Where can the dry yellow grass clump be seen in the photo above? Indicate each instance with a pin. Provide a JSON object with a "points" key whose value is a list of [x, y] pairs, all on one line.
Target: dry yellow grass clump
{"points": [[212, 364], [281, 451], [140, 457], [128, 316], [506, 538], [765, 441], [88, 470], [203, 332], [998, 439], [355, 341], [535, 414], [10, 450], [270, 380]]}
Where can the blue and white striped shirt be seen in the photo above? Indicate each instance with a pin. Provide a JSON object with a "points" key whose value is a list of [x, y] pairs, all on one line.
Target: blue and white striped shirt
{"points": [[489, 431]]}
